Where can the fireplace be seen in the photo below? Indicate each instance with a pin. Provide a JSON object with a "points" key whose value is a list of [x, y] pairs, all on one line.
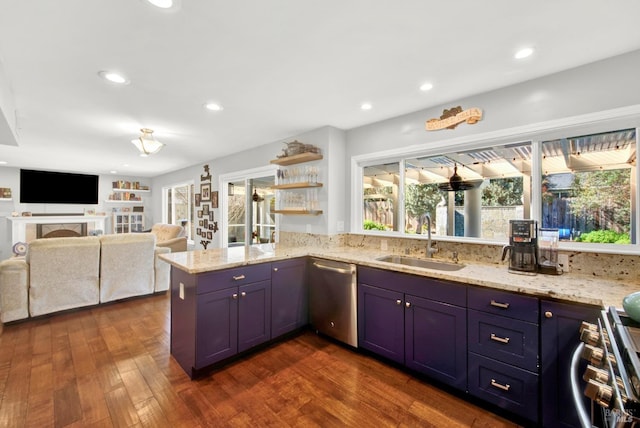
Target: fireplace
{"points": [[27, 228], [61, 230]]}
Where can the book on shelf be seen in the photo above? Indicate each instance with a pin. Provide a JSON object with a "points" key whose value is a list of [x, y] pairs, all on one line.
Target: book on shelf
{"points": [[122, 184]]}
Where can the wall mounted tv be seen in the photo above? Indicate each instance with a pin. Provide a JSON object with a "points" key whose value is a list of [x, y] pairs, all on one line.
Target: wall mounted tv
{"points": [[48, 187]]}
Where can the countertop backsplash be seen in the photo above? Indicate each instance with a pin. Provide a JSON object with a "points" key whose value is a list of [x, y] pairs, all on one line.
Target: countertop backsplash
{"points": [[607, 266]]}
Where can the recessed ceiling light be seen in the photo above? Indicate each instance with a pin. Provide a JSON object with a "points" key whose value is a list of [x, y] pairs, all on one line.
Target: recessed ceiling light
{"points": [[163, 4], [523, 53], [3, 162], [113, 77], [213, 107], [426, 86], [113, 171], [366, 106]]}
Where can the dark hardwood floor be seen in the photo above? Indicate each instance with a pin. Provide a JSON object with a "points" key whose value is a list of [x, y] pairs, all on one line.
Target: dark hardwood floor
{"points": [[110, 366]]}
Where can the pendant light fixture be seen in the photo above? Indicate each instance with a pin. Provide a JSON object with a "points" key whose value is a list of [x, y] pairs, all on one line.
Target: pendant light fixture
{"points": [[146, 143]]}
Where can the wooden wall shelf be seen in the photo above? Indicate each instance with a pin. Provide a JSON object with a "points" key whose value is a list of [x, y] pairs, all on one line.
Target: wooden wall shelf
{"points": [[298, 212], [292, 160], [304, 185]]}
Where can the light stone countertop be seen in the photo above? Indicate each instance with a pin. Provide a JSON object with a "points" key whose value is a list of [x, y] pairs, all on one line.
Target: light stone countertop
{"points": [[568, 287]]}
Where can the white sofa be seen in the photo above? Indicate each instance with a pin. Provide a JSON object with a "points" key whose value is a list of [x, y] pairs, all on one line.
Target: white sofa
{"points": [[66, 273]]}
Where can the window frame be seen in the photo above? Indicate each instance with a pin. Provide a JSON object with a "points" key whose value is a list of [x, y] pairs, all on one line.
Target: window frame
{"points": [[165, 214], [582, 125]]}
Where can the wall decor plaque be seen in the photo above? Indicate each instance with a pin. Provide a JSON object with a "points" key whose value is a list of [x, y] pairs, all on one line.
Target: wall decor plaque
{"points": [[454, 116]]}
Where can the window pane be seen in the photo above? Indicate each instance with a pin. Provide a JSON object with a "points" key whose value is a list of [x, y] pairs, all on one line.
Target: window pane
{"points": [[472, 194], [586, 187], [181, 208], [380, 196], [236, 213], [179, 200], [263, 219]]}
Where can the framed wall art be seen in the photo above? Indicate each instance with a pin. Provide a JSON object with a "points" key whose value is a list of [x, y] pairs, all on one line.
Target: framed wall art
{"points": [[214, 199], [205, 192]]}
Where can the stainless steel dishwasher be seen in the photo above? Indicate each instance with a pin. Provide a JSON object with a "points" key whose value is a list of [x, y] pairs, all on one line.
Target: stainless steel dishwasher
{"points": [[333, 300]]}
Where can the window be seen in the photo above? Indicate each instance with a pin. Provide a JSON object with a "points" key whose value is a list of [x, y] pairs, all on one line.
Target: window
{"points": [[586, 189], [177, 203], [470, 194]]}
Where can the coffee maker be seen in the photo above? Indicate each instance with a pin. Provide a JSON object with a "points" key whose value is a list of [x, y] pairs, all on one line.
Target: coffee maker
{"points": [[522, 246]]}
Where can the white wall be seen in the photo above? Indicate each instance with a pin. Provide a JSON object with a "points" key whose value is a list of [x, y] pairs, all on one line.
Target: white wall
{"points": [[8, 133], [591, 88], [330, 140]]}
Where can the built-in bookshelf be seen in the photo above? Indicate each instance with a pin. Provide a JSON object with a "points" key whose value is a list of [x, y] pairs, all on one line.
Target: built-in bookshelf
{"points": [[127, 192]]}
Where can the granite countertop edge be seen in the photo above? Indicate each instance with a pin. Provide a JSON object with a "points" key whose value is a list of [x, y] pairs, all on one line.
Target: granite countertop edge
{"points": [[571, 288]]}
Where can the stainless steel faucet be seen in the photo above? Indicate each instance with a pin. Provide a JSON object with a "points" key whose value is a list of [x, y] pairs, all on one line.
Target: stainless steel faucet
{"points": [[430, 250]]}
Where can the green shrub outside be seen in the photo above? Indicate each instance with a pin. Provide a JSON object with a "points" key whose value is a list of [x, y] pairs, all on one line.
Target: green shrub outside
{"points": [[372, 225], [604, 237]]}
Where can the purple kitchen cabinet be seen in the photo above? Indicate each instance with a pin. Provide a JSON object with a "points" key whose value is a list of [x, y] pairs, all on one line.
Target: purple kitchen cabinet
{"points": [[254, 314], [416, 321], [381, 322], [215, 315], [560, 334], [217, 326], [289, 296], [436, 340]]}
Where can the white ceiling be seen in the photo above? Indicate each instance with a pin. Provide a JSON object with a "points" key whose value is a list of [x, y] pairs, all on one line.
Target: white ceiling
{"points": [[279, 68]]}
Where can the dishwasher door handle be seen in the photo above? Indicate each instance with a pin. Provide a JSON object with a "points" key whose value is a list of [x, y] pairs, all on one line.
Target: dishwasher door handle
{"points": [[333, 269]]}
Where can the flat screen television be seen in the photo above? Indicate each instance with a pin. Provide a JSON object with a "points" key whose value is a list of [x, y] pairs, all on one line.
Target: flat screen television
{"points": [[48, 187]]}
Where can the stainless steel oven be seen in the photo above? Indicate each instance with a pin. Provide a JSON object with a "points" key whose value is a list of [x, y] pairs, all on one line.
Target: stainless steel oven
{"points": [[612, 377]]}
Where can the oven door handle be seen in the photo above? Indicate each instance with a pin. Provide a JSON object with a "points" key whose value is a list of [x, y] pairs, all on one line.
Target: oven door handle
{"points": [[583, 416]]}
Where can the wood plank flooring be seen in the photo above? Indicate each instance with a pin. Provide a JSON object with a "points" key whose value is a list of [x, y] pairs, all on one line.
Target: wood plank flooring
{"points": [[110, 366]]}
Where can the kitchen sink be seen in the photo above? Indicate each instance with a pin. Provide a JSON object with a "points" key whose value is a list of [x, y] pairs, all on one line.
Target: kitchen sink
{"points": [[422, 263]]}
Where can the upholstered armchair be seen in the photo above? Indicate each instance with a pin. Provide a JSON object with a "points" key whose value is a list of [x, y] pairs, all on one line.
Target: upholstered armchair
{"points": [[170, 236]]}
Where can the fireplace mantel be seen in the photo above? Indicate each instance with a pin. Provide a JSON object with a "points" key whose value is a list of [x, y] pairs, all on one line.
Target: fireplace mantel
{"points": [[19, 224]]}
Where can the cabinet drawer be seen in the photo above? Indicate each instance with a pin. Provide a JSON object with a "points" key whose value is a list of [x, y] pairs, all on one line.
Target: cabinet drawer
{"points": [[504, 303], [508, 387], [226, 278], [504, 339], [433, 289]]}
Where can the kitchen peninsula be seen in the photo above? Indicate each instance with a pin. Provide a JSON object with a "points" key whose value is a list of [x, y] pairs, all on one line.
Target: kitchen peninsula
{"points": [[227, 302]]}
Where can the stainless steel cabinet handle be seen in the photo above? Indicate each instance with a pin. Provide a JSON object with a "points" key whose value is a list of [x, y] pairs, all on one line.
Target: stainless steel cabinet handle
{"points": [[238, 278], [408, 304], [499, 305], [499, 385], [275, 269], [548, 314], [398, 302], [234, 296], [499, 339], [243, 294]]}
